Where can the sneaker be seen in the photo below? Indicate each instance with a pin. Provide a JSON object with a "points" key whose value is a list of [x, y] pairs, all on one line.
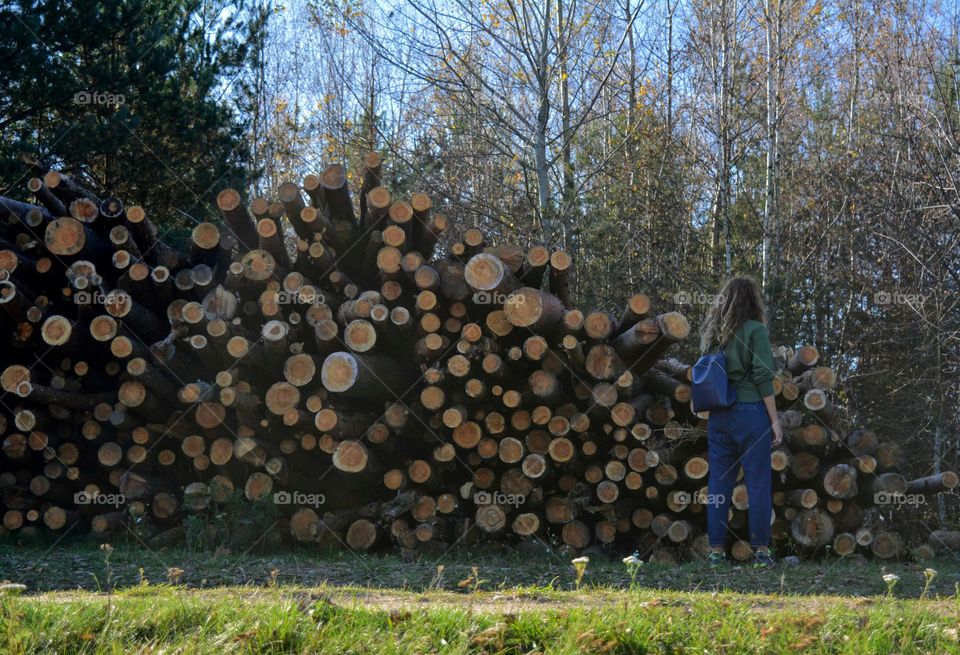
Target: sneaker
{"points": [[715, 559], [763, 561]]}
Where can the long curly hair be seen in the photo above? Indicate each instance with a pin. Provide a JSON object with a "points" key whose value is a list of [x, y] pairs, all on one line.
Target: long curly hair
{"points": [[739, 300]]}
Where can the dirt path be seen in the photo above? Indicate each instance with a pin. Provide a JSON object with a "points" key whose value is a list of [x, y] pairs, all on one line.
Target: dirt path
{"points": [[508, 603]]}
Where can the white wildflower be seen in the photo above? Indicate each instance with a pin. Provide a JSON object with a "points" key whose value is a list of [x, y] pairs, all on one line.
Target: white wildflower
{"points": [[580, 567], [891, 579]]}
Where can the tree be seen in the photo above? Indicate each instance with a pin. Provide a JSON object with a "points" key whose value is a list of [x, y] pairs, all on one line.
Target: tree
{"points": [[136, 98], [534, 73], [719, 60]]}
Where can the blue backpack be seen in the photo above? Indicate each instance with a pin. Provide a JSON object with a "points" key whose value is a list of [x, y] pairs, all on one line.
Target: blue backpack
{"points": [[711, 388]]}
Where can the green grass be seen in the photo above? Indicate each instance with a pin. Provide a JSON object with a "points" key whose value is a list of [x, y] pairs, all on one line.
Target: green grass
{"points": [[309, 602], [279, 620]]}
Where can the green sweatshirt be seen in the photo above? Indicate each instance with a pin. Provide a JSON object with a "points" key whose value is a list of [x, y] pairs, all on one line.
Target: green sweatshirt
{"points": [[750, 362]]}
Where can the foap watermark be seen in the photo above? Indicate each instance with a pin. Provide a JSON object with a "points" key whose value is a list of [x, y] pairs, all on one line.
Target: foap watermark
{"points": [[102, 98], [100, 298], [498, 498], [695, 298], [87, 498], [899, 498], [700, 498], [298, 498], [897, 298], [497, 298], [301, 297]]}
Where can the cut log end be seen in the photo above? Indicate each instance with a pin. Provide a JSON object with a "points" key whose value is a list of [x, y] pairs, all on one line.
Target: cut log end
{"points": [[206, 235], [339, 371], [65, 236], [350, 456], [674, 326], [533, 308], [56, 330], [525, 524], [361, 535], [228, 200], [490, 518], [484, 272], [333, 177], [299, 370]]}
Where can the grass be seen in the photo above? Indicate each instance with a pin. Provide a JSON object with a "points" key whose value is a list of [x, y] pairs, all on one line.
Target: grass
{"points": [[79, 564], [280, 620], [178, 601]]}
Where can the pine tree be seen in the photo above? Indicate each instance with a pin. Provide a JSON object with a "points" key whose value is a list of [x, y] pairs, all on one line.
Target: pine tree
{"points": [[134, 97]]}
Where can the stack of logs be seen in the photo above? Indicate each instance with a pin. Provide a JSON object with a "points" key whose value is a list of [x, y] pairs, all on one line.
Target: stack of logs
{"points": [[381, 380]]}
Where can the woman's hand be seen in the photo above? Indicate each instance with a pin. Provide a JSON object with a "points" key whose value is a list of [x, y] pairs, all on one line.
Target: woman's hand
{"points": [[771, 404], [777, 433]]}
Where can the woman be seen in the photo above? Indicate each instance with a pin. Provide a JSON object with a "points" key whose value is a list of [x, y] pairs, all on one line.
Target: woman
{"points": [[744, 433]]}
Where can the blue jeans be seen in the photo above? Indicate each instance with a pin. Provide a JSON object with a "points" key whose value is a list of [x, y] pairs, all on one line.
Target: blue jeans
{"points": [[739, 435]]}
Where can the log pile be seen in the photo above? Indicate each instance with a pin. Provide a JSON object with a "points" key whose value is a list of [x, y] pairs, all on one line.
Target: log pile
{"points": [[382, 378]]}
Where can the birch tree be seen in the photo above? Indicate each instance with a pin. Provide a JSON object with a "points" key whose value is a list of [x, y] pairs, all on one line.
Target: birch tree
{"points": [[534, 72]]}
